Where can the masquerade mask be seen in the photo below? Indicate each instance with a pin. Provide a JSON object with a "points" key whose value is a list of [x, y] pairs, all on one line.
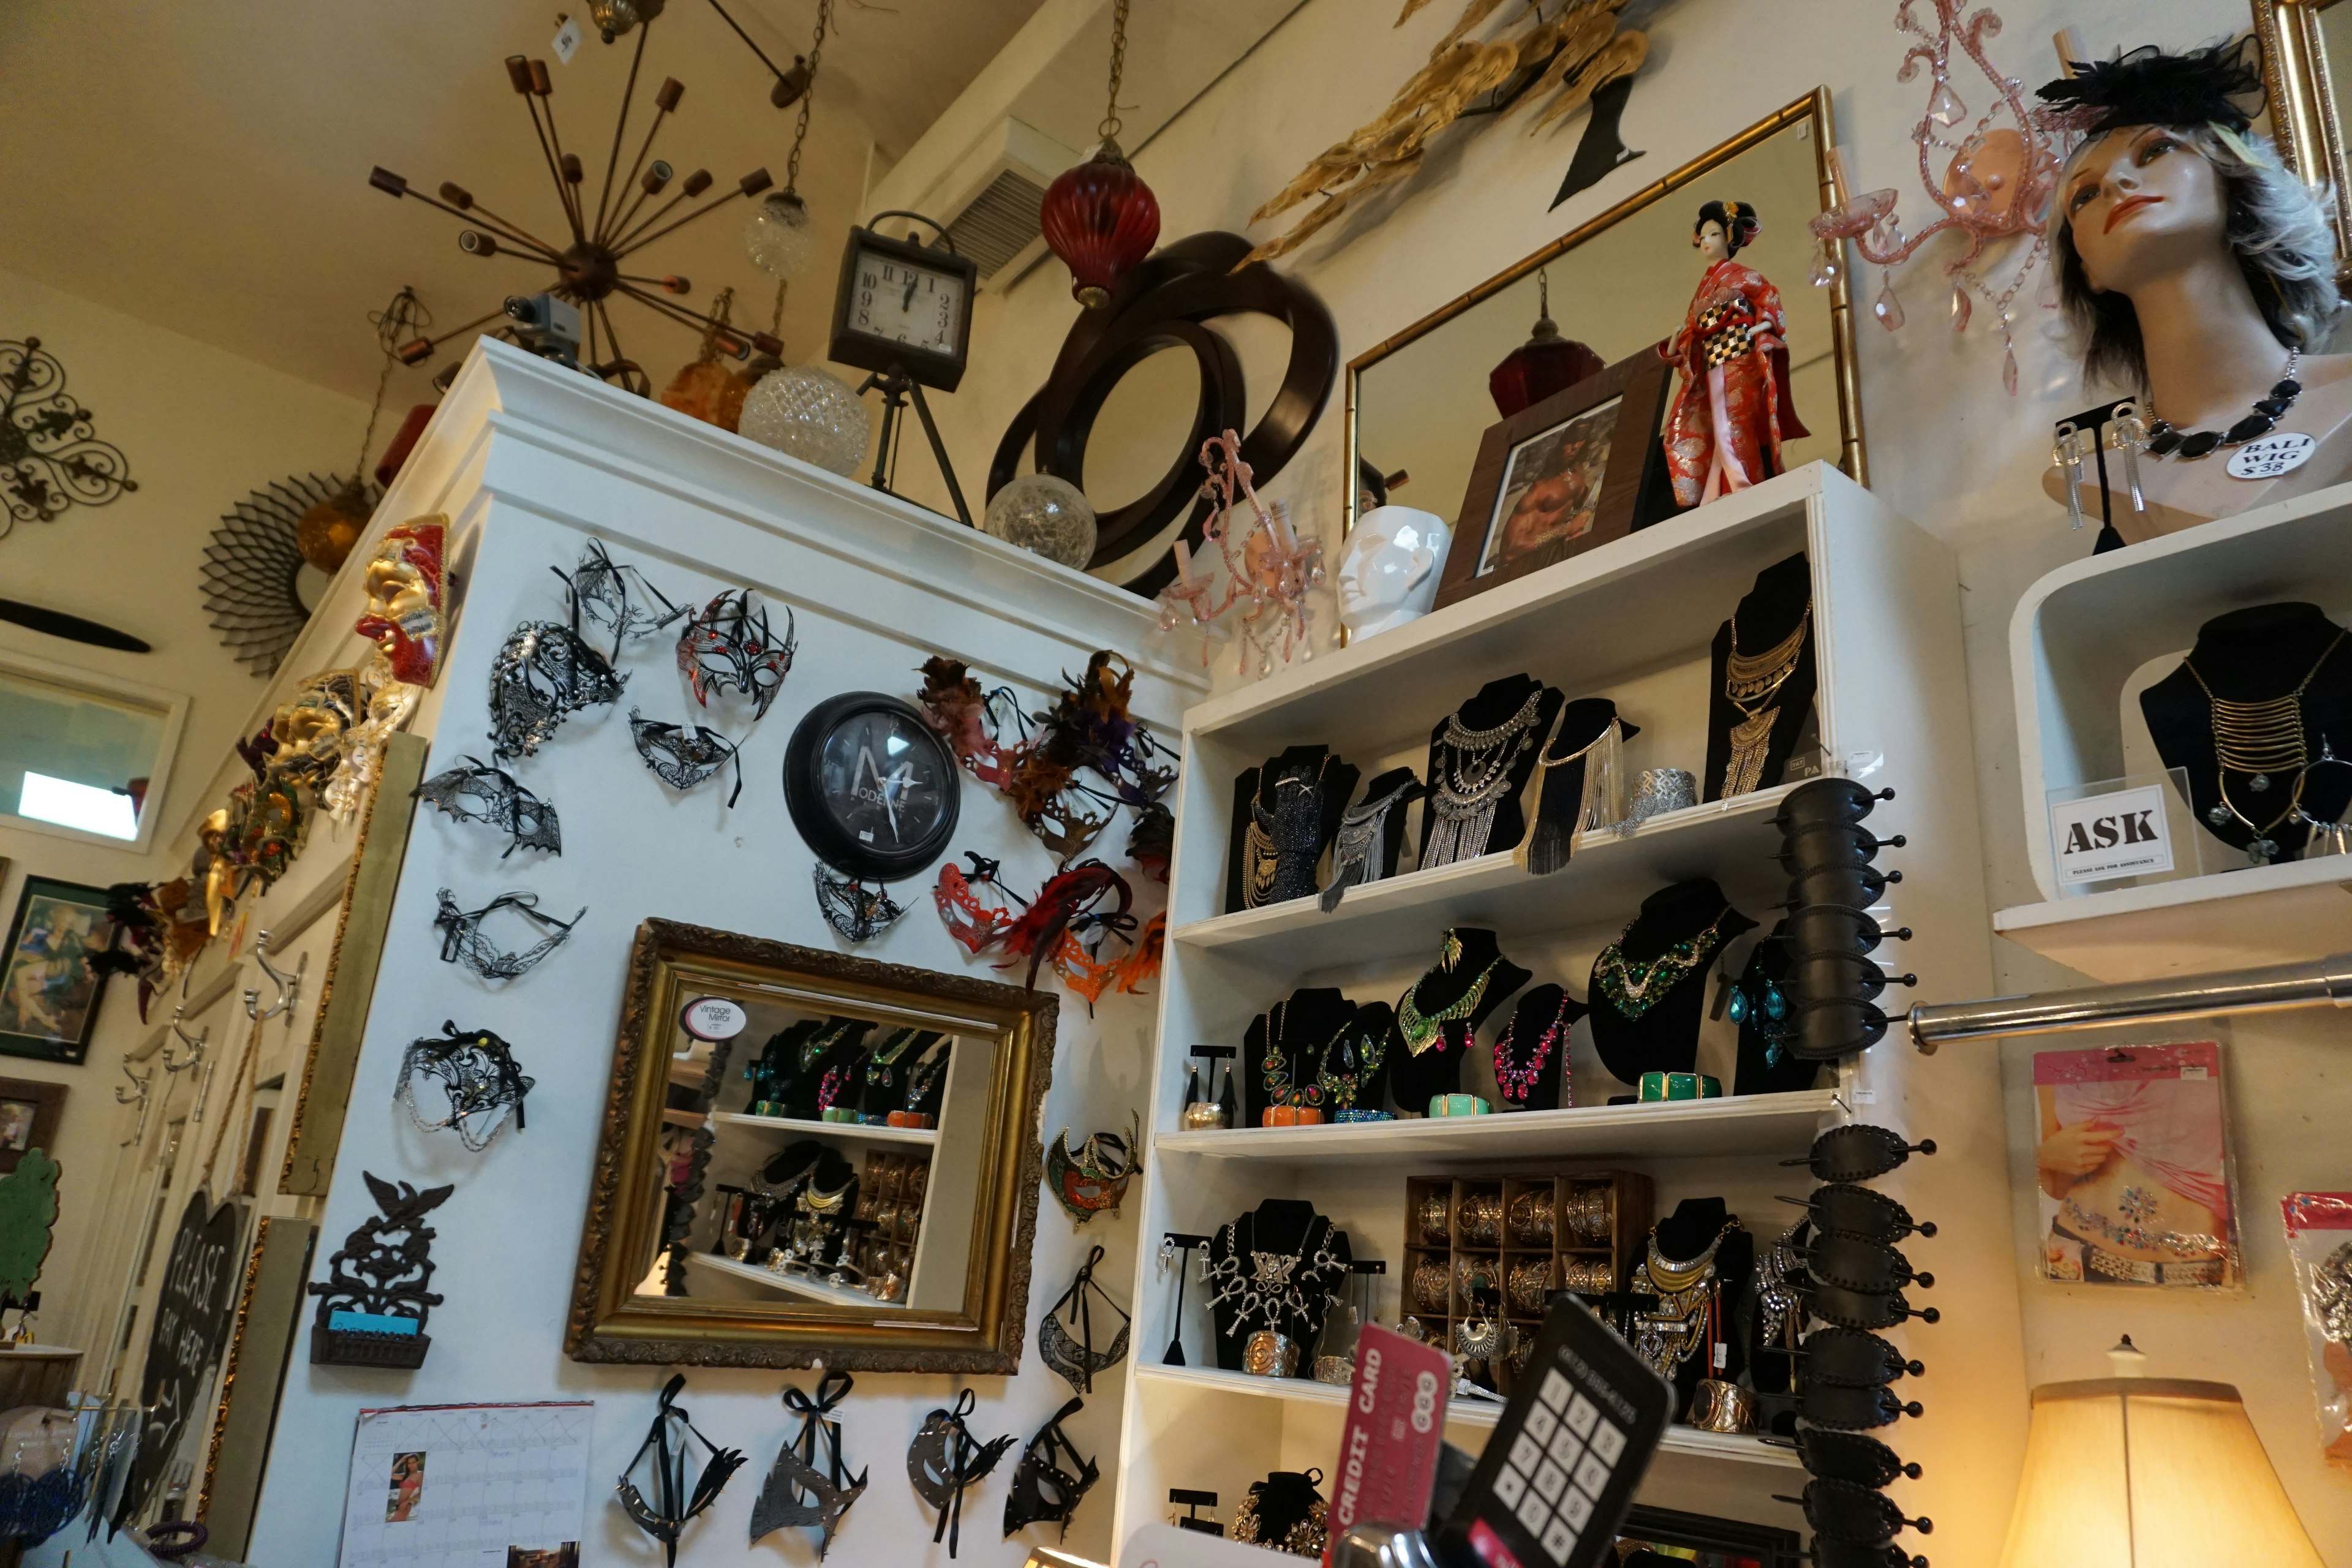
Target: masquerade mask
{"points": [[945, 1459], [1095, 1178], [1852, 1359], [1847, 1210], [730, 644], [462, 941], [1042, 1489], [1859, 1153], [386, 703], [543, 674], [683, 755], [310, 726], [663, 1457], [975, 926], [476, 792], [797, 1493], [1076, 1358], [1068, 902], [1850, 1410], [859, 914], [1851, 1456], [601, 588], [404, 593], [967, 718], [477, 1072]]}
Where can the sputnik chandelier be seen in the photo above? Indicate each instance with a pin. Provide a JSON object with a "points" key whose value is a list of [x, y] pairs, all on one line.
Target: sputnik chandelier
{"points": [[594, 266]]}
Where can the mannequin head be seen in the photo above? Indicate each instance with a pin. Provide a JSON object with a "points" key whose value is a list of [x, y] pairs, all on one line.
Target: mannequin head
{"points": [[2169, 179], [1724, 228], [1389, 568]]}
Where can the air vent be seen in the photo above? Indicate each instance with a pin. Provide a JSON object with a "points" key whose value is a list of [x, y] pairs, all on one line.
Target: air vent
{"points": [[1000, 223]]}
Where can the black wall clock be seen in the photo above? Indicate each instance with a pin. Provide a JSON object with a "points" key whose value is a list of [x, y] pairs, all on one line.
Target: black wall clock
{"points": [[870, 787]]}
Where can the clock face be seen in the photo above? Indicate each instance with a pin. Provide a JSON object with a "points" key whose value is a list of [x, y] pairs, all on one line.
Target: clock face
{"points": [[901, 302], [870, 787]]}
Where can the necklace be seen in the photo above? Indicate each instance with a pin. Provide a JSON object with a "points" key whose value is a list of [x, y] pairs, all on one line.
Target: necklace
{"points": [[886, 1058], [1284, 1291], [1749, 682], [1473, 774], [1667, 1334], [2164, 441], [823, 1041], [1275, 1065], [1292, 830], [1517, 1081], [1419, 1028], [921, 1077], [1627, 986], [1342, 1085], [2258, 738], [1358, 853]]}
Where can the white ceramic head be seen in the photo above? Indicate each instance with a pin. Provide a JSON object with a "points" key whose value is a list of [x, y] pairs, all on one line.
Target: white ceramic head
{"points": [[1388, 571]]}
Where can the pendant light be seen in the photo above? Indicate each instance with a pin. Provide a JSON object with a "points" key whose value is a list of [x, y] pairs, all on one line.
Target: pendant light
{"points": [[778, 236], [1100, 217], [1547, 362]]}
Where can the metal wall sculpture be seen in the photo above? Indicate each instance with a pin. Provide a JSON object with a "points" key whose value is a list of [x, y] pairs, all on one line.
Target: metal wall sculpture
{"points": [[253, 564], [50, 455]]}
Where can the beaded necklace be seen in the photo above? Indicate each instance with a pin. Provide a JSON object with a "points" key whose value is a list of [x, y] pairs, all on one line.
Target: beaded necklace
{"points": [[1628, 985], [1517, 1080], [821, 1042], [1275, 1064], [922, 1076], [1342, 1088], [1419, 1029]]}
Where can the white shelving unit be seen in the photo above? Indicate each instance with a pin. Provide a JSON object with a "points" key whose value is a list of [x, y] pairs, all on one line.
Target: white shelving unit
{"points": [[802, 1285], [1631, 620], [848, 1131]]}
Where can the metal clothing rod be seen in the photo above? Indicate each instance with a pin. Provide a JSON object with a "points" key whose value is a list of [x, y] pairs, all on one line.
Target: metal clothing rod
{"points": [[2322, 983]]}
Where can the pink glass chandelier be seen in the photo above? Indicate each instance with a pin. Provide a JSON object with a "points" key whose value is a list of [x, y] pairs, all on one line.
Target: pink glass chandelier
{"points": [[1269, 569]]}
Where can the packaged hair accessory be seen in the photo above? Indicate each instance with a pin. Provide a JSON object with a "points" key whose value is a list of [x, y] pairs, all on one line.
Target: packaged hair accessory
{"points": [[2319, 1245]]}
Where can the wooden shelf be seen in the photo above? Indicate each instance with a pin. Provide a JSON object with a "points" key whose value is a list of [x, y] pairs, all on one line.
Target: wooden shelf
{"points": [[849, 1132], [1472, 1414], [1732, 841], [790, 1284], [2286, 913], [1738, 1124]]}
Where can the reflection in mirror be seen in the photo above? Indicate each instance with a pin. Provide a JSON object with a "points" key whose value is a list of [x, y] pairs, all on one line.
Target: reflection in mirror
{"points": [[76, 756], [812, 1156], [1618, 286], [2306, 76]]}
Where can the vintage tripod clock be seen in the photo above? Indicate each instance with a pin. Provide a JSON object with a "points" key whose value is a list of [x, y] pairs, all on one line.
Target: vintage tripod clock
{"points": [[904, 313]]}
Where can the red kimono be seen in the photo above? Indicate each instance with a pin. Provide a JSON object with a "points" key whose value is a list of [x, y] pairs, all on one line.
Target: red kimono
{"points": [[1731, 402]]}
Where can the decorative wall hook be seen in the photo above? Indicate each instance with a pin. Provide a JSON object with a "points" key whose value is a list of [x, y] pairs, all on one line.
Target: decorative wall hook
{"points": [[289, 986], [140, 1083], [195, 1058], [373, 1302]]}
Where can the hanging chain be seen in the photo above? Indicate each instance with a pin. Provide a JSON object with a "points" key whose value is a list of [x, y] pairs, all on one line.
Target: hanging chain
{"points": [[399, 323], [1111, 124], [808, 102]]}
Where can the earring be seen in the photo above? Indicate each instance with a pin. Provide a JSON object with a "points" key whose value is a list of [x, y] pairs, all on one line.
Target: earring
{"points": [[2131, 435], [2067, 453]]}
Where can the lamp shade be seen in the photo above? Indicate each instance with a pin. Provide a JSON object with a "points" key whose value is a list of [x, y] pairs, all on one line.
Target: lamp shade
{"points": [[2146, 1472]]}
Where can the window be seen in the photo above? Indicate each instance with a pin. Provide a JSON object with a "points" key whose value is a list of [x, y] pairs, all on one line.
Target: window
{"points": [[82, 753]]}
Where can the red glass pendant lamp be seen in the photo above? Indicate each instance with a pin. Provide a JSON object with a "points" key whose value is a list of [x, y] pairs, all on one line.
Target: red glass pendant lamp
{"points": [[1547, 362], [1100, 217]]}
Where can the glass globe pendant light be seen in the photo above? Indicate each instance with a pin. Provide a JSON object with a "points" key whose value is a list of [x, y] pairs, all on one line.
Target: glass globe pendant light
{"points": [[808, 413], [777, 235], [1100, 217]]}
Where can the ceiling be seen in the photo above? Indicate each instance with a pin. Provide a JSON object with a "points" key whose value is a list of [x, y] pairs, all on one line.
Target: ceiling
{"points": [[205, 167]]}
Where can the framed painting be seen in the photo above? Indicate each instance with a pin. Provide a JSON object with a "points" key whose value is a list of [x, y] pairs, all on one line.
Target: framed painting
{"points": [[29, 1113], [48, 994]]}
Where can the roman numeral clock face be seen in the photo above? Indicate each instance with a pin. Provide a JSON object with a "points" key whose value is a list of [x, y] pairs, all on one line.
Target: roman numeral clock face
{"points": [[899, 301]]}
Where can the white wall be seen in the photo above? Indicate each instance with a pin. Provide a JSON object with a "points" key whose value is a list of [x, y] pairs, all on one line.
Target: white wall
{"points": [[1946, 446], [200, 428]]}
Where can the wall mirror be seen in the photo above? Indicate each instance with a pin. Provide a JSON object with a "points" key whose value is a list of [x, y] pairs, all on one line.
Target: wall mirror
{"points": [[1418, 403], [753, 1204], [2306, 50], [83, 754]]}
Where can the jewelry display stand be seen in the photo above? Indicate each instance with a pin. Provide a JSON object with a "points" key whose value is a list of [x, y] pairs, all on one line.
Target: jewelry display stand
{"points": [[1273, 1269], [1286, 813], [1765, 678], [1480, 756], [1370, 840], [1284, 1051], [1439, 1013], [1531, 1053], [1681, 1238], [1649, 987]]}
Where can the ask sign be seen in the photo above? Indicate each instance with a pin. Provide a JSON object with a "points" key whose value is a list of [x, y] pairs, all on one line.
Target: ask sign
{"points": [[2103, 836]]}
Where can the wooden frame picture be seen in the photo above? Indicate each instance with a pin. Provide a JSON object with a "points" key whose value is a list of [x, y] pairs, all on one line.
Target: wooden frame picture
{"points": [[29, 1113], [48, 994], [1580, 468]]}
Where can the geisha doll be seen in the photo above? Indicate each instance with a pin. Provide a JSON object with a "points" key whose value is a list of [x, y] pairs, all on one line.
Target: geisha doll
{"points": [[1732, 407]]}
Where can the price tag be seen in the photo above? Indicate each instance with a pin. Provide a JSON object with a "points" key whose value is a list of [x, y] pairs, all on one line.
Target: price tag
{"points": [[713, 1018], [2271, 455], [567, 40]]}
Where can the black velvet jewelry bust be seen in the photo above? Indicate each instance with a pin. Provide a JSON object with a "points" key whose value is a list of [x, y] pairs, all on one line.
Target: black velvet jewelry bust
{"points": [[1281, 1065], [1757, 1073], [1283, 1228], [1581, 744], [1662, 1033], [1369, 851], [884, 1083], [1490, 819], [843, 1055], [1545, 1011], [1294, 801], [1749, 740], [1356, 1070], [2253, 656], [1453, 986], [1682, 1236]]}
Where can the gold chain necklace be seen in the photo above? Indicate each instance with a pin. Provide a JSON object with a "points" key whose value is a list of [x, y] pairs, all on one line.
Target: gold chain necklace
{"points": [[1750, 680], [2258, 738]]}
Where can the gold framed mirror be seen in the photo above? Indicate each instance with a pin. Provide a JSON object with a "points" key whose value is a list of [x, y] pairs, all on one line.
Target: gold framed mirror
{"points": [[1419, 401], [753, 1204], [2304, 43]]}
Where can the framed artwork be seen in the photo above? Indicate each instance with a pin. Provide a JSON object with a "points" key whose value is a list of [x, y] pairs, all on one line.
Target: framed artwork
{"points": [[1580, 468], [29, 1113], [48, 995]]}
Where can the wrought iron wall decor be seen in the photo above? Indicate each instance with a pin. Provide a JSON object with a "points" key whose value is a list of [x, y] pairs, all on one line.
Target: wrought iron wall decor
{"points": [[373, 1302], [590, 269], [253, 566], [50, 455], [1166, 302]]}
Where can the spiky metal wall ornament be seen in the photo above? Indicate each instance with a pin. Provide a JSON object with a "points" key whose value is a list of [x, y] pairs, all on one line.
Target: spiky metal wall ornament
{"points": [[589, 270], [50, 455], [1570, 53], [254, 562]]}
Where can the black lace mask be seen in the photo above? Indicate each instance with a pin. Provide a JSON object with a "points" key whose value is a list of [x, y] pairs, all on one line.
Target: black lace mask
{"points": [[683, 755], [476, 792], [1071, 1351], [858, 912], [478, 1072], [945, 1459], [1042, 1490], [663, 1457], [462, 941], [544, 673], [729, 646], [797, 1493], [601, 587]]}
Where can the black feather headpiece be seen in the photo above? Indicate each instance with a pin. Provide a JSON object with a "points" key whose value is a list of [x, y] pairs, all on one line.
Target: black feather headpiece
{"points": [[2221, 84]]}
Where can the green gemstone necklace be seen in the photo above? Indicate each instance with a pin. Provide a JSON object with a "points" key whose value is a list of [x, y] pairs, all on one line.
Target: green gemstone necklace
{"points": [[1629, 987], [1419, 1029]]}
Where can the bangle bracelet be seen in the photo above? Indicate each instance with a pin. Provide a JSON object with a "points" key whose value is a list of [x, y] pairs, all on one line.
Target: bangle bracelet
{"points": [[1461, 1105], [1680, 1086]]}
